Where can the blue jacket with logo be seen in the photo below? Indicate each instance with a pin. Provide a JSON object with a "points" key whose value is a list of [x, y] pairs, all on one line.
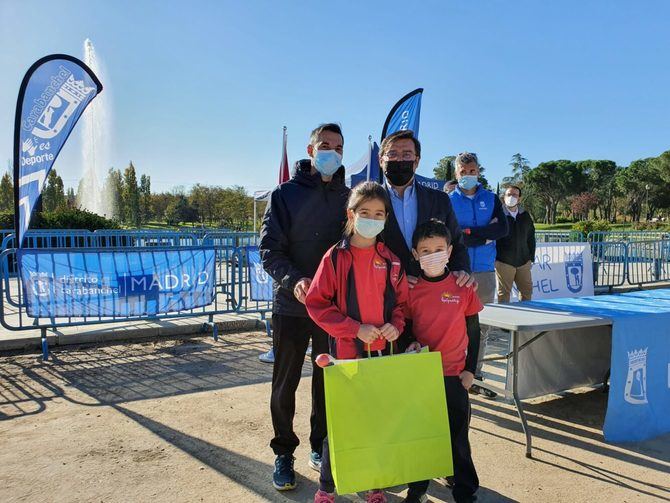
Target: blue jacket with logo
{"points": [[482, 220]]}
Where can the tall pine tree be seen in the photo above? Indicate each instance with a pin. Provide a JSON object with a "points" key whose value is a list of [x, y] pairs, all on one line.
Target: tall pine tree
{"points": [[131, 196], [6, 193], [145, 198], [53, 195]]}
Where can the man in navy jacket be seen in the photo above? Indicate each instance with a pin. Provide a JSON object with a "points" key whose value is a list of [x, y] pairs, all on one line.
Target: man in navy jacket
{"points": [[305, 217], [483, 221], [413, 204]]}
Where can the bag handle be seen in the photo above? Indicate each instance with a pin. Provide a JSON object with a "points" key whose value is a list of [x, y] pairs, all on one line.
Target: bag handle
{"points": [[370, 353]]}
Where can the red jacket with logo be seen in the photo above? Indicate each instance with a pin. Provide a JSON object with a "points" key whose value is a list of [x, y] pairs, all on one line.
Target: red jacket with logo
{"points": [[332, 301]]}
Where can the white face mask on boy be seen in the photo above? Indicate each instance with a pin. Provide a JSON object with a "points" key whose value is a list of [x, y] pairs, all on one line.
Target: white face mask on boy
{"points": [[435, 263]]}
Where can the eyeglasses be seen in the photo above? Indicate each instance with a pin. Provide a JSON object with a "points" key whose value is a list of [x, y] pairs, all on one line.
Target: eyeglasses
{"points": [[394, 155]]}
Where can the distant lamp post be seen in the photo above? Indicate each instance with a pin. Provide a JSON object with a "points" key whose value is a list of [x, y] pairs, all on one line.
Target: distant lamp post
{"points": [[646, 187]]}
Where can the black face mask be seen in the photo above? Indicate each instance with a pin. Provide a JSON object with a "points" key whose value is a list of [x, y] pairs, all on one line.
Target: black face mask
{"points": [[399, 173]]}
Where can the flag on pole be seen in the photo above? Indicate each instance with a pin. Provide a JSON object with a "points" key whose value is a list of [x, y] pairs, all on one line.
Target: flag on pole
{"points": [[404, 115], [283, 165], [54, 93]]}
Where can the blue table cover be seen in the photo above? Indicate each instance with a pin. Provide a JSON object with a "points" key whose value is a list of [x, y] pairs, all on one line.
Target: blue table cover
{"points": [[639, 396]]}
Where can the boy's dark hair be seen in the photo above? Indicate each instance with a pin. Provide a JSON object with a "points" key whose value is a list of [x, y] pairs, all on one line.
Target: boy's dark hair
{"points": [[330, 126], [430, 229], [400, 135]]}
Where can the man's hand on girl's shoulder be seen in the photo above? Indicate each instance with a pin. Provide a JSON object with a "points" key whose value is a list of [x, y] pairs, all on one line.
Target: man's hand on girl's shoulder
{"points": [[463, 278], [411, 281]]}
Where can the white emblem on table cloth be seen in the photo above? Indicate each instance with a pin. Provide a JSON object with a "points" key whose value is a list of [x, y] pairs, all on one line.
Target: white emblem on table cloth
{"points": [[635, 391]]}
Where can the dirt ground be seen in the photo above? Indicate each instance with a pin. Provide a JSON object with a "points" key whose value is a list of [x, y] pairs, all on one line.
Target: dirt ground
{"points": [[188, 420]]}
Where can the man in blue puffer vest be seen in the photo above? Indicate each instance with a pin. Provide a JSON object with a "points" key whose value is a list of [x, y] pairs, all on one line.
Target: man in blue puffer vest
{"points": [[482, 219]]}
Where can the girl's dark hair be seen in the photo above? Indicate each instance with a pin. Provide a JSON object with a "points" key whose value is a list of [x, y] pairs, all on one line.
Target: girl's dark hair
{"points": [[430, 229], [361, 193]]}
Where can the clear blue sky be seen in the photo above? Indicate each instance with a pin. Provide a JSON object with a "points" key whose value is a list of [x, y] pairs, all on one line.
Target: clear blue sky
{"points": [[201, 90]]}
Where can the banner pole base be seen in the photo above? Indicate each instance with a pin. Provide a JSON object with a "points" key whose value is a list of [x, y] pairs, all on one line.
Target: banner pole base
{"points": [[45, 345]]}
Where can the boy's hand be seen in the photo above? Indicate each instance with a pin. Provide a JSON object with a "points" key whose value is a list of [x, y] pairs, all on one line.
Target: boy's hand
{"points": [[412, 281], [414, 347], [389, 332], [465, 279], [466, 378], [368, 333]]}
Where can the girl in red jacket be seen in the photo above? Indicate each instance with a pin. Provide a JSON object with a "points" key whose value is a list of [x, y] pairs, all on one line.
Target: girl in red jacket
{"points": [[358, 296]]}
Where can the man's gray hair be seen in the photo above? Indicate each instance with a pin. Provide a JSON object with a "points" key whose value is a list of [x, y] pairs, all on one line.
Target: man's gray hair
{"points": [[465, 158]]}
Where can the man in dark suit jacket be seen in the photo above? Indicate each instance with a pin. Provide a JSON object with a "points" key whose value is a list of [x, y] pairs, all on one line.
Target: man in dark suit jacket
{"points": [[413, 204]]}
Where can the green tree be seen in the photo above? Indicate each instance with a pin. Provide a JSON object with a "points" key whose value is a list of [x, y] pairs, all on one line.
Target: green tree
{"points": [[445, 168], [131, 197], [204, 199], [602, 183], [71, 198], [236, 208], [520, 168], [145, 198], [53, 195], [179, 210], [482, 179], [551, 183], [6, 193], [643, 191], [662, 165], [159, 205], [114, 190]]}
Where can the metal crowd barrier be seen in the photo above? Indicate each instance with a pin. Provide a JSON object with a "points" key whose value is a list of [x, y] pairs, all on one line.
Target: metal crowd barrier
{"points": [[232, 294], [236, 239], [142, 238], [13, 316], [567, 236], [636, 262], [648, 262], [600, 236], [609, 263]]}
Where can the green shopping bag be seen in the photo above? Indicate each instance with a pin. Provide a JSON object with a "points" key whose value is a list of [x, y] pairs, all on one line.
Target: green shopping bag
{"points": [[387, 421]]}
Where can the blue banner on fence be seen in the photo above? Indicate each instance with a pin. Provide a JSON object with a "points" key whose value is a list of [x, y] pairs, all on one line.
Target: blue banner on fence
{"points": [[261, 282], [406, 114], [53, 95], [116, 283]]}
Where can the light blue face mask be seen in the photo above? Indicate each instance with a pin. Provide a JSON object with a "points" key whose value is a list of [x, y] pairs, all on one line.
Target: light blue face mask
{"points": [[468, 182], [327, 162], [368, 227]]}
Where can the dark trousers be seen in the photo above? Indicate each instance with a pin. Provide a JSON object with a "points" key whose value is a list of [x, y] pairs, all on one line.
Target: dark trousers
{"points": [[326, 482], [466, 481], [290, 338]]}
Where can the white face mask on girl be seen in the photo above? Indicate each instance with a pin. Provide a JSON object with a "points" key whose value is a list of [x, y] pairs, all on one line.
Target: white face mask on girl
{"points": [[368, 227], [435, 263]]}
